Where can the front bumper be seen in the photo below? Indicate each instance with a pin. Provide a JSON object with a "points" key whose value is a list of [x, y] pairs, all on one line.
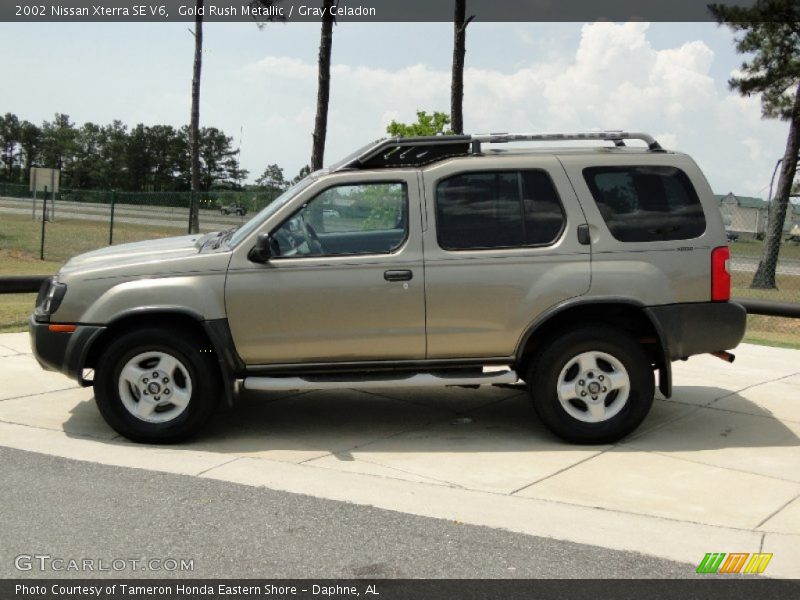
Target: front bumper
{"points": [[62, 352], [698, 328]]}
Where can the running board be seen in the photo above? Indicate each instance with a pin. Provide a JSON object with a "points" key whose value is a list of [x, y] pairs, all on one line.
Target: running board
{"points": [[321, 382]]}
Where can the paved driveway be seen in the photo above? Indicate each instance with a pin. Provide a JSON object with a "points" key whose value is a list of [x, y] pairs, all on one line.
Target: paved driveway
{"points": [[714, 469]]}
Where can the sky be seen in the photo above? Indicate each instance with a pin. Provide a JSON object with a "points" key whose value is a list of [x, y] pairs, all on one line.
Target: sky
{"points": [[668, 79]]}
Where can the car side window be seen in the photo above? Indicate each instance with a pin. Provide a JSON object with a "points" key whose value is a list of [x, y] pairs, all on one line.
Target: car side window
{"points": [[367, 218], [646, 203], [498, 209]]}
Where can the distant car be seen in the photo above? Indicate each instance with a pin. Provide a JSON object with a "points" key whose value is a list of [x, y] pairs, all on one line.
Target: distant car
{"points": [[732, 236], [233, 209], [330, 212], [794, 234]]}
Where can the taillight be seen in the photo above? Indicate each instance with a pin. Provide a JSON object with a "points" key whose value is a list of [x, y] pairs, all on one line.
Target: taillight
{"points": [[720, 276]]}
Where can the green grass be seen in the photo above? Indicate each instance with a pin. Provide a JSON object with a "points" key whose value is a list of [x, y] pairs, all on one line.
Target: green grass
{"points": [[778, 339], [65, 238], [773, 331], [14, 311], [754, 248], [16, 308], [787, 287], [15, 262], [770, 331]]}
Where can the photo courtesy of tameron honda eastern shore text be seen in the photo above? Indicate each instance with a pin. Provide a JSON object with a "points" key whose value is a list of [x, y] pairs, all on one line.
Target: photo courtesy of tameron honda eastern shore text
{"points": [[431, 261]]}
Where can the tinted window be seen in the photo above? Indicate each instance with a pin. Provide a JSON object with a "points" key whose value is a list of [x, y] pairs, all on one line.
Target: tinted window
{"points": [[544, 216], [347, 219], [646, 204], [498, 209]]}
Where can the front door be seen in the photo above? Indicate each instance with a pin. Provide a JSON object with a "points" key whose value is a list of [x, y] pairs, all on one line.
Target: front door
{"points": [[345, 283]]}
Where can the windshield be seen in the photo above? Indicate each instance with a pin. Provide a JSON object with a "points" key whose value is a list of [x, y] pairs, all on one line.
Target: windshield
{"points": [[268, 211]]}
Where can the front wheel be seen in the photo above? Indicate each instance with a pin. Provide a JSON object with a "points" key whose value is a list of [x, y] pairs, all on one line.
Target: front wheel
{"points": [[593, 385], [155, 386]]}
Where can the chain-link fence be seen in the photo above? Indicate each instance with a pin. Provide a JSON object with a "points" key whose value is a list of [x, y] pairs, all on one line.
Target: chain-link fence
{"points": [[764, 269], [77, 221]]}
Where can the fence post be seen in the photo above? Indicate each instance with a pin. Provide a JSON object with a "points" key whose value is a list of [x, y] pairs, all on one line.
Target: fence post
{"points": [[44, 218], [33, 185], [111, 225]]}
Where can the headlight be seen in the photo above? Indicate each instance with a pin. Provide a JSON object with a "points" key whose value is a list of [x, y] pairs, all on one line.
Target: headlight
{"points": [[51, 299]]}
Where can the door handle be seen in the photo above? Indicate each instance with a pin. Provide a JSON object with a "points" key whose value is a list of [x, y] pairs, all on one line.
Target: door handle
{"points": [[403, 275], [584, 237]]}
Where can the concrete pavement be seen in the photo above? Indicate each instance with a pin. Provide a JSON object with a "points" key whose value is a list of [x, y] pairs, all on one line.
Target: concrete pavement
{"points": [[714, 469]]}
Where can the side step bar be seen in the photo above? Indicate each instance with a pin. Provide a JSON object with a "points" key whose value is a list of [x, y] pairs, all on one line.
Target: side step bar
{"points": [[271, 384]]}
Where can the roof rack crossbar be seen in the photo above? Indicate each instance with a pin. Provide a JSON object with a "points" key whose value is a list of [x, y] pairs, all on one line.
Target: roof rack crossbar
{"points": [[618, 137]]}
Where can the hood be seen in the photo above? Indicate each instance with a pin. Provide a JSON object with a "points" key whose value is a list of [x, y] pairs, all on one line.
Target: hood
{"points": [[135, 253]]}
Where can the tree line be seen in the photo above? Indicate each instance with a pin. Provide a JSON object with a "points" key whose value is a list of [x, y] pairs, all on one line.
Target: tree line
{"points": [[114, 156]]}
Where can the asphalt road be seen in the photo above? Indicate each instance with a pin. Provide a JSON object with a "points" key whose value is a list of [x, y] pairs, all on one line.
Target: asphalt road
{"points": [[158, 216], [74, 510]]}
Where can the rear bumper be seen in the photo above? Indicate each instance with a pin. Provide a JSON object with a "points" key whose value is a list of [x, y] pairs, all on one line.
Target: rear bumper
{"points": [[697, 328], [62, 352]]}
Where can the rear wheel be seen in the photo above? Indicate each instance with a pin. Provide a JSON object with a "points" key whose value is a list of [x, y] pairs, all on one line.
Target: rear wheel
{"points": [[156, 386], [593, 385]]}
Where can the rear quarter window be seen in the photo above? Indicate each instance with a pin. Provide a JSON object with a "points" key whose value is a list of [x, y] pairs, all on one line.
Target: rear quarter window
{"points": [[646, 203], [481, 210]]}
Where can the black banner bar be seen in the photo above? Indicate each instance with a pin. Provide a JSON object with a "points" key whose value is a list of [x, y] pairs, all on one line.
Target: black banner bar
{"points": [[365, 11], [712, 587]]}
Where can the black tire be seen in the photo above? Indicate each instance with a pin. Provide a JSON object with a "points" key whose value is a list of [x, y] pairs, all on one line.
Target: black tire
{"points": [[203, 379], [545, 370]]}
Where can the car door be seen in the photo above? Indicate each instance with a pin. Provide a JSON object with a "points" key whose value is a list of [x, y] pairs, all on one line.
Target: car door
{"points": [[501, 248], [345, 282]]}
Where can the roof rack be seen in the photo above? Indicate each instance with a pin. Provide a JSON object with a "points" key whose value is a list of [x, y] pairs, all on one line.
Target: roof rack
{"points": [[423, 150], [618, 137], [407, 152]]}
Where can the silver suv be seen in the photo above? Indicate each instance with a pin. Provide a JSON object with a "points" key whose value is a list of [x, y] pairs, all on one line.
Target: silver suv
{"points": [[425, 261]]}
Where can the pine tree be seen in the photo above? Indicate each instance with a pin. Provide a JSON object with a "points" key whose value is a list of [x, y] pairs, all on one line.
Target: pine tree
{"points": [[768, 32], [460, 23]]}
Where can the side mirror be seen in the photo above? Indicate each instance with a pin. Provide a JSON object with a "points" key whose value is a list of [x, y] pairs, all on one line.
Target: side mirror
{"points": [[262, 251]]}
